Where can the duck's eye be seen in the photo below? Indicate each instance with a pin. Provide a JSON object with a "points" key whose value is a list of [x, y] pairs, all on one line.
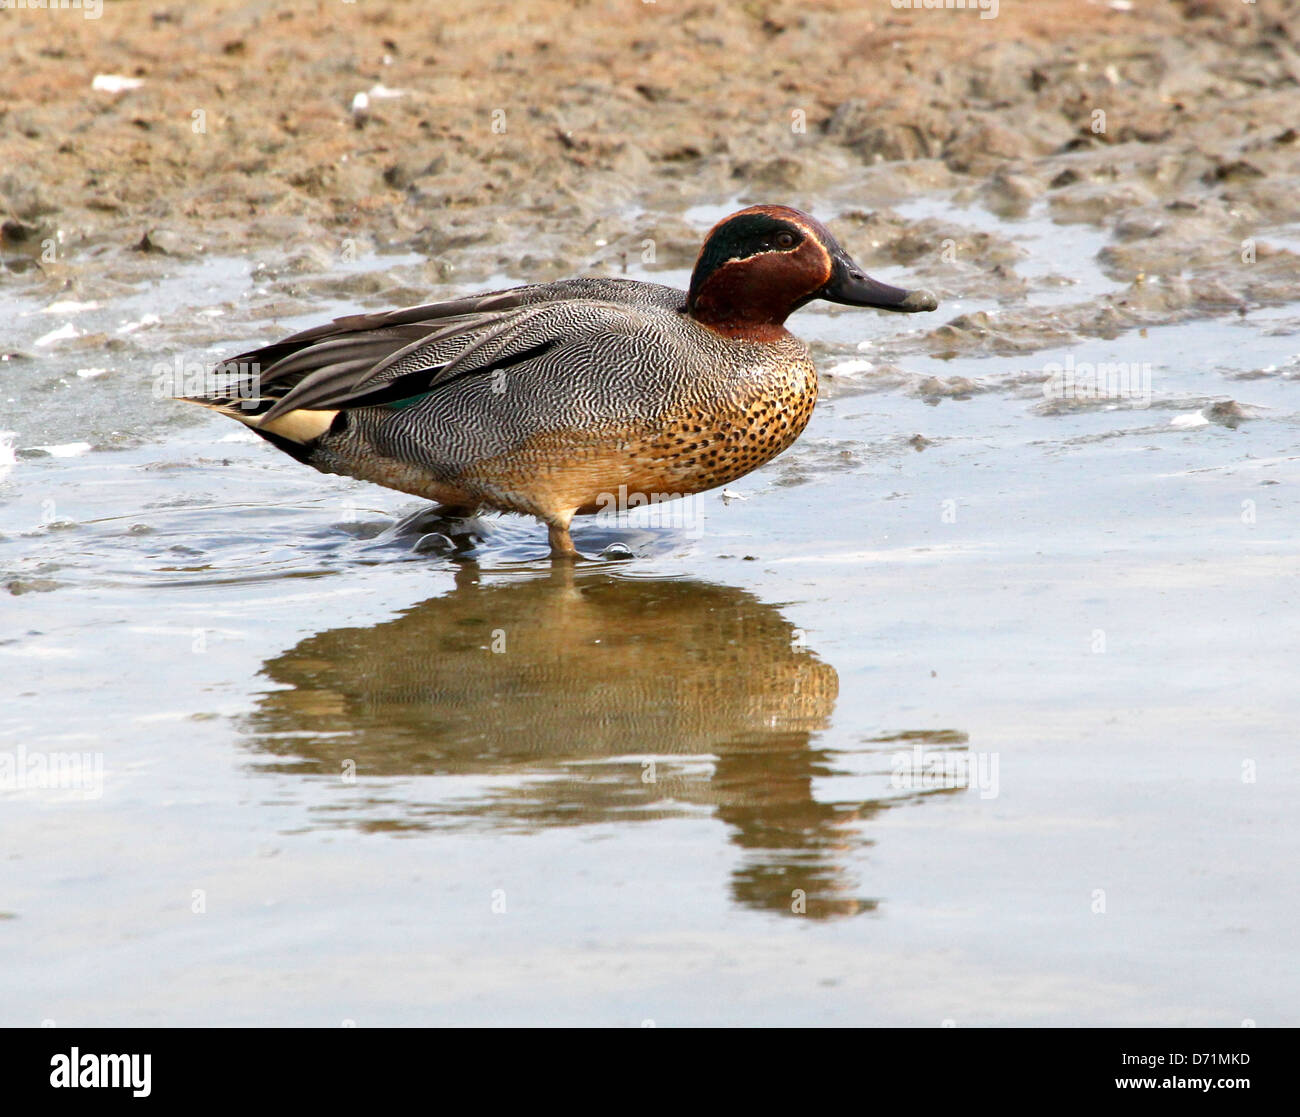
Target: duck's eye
{"points": [[785, 240]]}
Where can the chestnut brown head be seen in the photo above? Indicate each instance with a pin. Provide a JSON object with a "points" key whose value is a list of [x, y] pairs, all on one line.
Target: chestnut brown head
{"points": [[763, 263]]}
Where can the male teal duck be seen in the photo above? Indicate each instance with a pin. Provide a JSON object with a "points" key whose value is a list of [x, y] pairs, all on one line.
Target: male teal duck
{"points": [[560, 399]]}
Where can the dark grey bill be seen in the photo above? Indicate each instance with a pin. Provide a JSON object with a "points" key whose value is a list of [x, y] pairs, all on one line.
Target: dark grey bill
{"points": [[849, 285]]}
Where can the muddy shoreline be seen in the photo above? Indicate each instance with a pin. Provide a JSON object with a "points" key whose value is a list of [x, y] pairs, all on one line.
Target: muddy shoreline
{"points": [[541, 140]]}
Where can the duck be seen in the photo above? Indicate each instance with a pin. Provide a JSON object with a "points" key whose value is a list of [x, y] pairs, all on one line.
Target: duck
{"points": [[567, 398]]}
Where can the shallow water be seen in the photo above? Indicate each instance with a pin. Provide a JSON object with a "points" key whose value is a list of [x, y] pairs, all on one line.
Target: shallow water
{"points": [[993, 726]]}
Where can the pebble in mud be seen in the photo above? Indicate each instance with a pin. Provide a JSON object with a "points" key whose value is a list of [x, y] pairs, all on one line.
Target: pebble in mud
{"points": [[933, 389], [1230, 413]]}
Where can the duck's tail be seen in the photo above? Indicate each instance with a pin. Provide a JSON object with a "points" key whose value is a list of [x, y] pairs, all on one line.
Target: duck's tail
{"points": [[302, 425], [239, 390]]}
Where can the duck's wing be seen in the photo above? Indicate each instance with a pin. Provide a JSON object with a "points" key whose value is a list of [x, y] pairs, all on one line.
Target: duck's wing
{"points": [[365, 360], [628, 292]]}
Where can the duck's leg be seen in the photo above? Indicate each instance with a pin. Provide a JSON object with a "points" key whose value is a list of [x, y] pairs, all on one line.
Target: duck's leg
{"points": [[561, 542]]}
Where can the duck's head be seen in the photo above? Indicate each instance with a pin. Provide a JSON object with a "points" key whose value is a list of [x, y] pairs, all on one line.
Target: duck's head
{"points": [[763, 263]]}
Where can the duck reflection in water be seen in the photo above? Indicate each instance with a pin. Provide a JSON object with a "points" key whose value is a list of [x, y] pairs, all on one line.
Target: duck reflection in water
{"points": [[582, 697]]}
